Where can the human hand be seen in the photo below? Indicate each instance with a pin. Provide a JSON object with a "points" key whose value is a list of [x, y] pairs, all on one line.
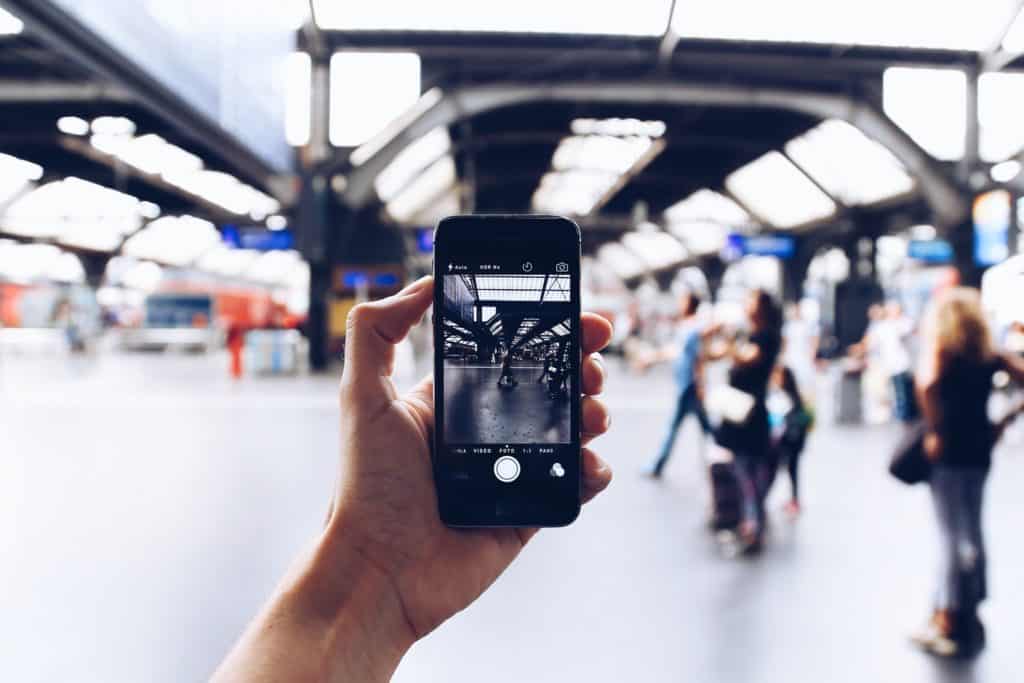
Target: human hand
{"points": [[386, 504], [386, 571]]}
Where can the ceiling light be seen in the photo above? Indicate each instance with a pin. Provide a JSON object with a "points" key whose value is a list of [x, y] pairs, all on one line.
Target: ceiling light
{"points": [[849, 165], [930, 105], [907, 23], [708, 205], [618, 127], [1006, 171], [640, 18], [10, 25], [1000, 110], [777, 191], [369, 90], [73, 125], [149, 210], [113, 125]]}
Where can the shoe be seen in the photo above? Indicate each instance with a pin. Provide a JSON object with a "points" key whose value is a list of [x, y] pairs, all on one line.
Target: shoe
{"points": [[651, 472], [951, 636]]}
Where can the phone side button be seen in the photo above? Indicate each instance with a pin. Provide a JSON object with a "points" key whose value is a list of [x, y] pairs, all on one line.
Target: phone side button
{"points": [[507, 469]]}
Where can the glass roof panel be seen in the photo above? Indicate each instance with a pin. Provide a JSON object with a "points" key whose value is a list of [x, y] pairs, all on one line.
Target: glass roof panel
{"points": [[640, 17], [1000, 112], [173, 240], [708, 205], [851, 166], [907, 23], [656, 249], [778, 192], [929, 104]]}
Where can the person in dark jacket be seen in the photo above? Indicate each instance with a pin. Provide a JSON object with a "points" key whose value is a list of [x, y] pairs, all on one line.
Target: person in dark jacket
{"points": [[749, 442]]}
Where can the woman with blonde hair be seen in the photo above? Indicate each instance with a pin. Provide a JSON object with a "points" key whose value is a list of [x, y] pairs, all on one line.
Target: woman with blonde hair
{"points": [[954, 381]]}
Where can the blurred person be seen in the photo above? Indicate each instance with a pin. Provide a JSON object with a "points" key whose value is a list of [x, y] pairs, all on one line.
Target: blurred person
{"points": [[954, 382], [685, 354], [886, 340], [747, 444], [800, 351], [385, 571], [791, 421]]}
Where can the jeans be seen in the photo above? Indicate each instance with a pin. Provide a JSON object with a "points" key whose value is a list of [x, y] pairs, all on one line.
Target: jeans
{"points": [[903, 394], [687, 402], [957, 494]]}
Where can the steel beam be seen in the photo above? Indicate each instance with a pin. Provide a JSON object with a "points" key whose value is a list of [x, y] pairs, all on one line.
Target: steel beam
{"points": [[61, 91], [939, 190]]}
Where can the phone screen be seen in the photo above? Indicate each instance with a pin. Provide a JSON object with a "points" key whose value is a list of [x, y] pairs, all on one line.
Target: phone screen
{"points": [[507, 397]]}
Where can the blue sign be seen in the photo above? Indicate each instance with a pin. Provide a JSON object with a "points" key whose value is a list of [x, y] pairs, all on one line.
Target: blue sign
{"points": [[991, 214], [256, 238], [385, 280], [354, 278], [229, 235], [425, 240], [930, 251], [266, 240], [779, 246]]}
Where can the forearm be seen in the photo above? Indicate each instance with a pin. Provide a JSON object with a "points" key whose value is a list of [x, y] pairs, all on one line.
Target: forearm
{"points": [[333, 618]]}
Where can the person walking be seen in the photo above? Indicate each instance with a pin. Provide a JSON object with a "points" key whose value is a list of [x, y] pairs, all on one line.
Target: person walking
{"points": [[954, 382], [748, 441], [791, 421], [686, 353]]}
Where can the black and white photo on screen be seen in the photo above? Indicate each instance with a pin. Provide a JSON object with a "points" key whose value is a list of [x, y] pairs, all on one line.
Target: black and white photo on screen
{"points": [[507, 364]]}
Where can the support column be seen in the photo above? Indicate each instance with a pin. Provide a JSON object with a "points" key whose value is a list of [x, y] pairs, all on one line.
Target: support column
{"points": [[313, 233], [961, 236], [794, 272]]}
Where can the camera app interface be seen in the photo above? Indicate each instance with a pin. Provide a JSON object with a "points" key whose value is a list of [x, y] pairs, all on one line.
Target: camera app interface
{"points": [[507, 333]]}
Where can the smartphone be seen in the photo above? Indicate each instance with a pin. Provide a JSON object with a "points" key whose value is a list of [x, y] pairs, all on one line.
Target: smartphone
{"points": [[507, 370]]}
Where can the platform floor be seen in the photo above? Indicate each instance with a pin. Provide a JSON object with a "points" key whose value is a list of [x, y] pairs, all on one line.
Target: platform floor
{"points": [[148, 506], [479, 411]]}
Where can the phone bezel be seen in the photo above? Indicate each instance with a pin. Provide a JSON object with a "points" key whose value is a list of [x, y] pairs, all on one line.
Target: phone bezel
{"points": [[512, 507]]}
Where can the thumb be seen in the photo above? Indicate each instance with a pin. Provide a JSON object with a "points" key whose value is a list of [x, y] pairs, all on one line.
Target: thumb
{"points": [[373, 330]]}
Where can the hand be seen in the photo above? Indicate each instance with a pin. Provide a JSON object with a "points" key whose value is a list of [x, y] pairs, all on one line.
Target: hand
{"points": [[386, 571], [386, 502]]}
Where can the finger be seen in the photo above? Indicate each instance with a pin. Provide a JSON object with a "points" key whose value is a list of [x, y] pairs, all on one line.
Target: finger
{"points": [[593, 374], [375, 327], [595, 417], [596, 475], [597, 332]]}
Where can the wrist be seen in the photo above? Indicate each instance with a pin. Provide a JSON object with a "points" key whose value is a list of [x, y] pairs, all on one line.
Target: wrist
{"points": [[357, 607]]}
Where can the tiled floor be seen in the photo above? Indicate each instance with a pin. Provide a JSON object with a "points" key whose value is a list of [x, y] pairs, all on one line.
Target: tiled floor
{"points": [[148, 505]]}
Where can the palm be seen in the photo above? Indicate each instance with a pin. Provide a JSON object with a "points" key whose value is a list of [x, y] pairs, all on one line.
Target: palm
{"points": [[391, 498]]}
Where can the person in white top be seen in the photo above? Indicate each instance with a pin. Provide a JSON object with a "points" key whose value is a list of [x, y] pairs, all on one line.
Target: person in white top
{"points": [[887, 338]]}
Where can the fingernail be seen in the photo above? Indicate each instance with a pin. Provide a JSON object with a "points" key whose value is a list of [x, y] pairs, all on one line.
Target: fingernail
{"points": [[607, 421]]}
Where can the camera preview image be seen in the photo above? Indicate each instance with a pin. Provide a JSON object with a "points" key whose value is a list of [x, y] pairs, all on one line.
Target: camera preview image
{"points": [[507, 364]]}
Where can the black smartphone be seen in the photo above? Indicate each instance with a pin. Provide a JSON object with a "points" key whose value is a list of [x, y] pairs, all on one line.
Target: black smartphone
{"points": [[507, 370]]}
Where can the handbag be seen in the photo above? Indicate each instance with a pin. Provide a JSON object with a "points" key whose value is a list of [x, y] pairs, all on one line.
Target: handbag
{"points": [[909, 462], [730, 404]]}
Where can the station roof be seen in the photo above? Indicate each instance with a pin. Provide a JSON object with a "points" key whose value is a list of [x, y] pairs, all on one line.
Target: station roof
{"points": [[696, 166]]}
